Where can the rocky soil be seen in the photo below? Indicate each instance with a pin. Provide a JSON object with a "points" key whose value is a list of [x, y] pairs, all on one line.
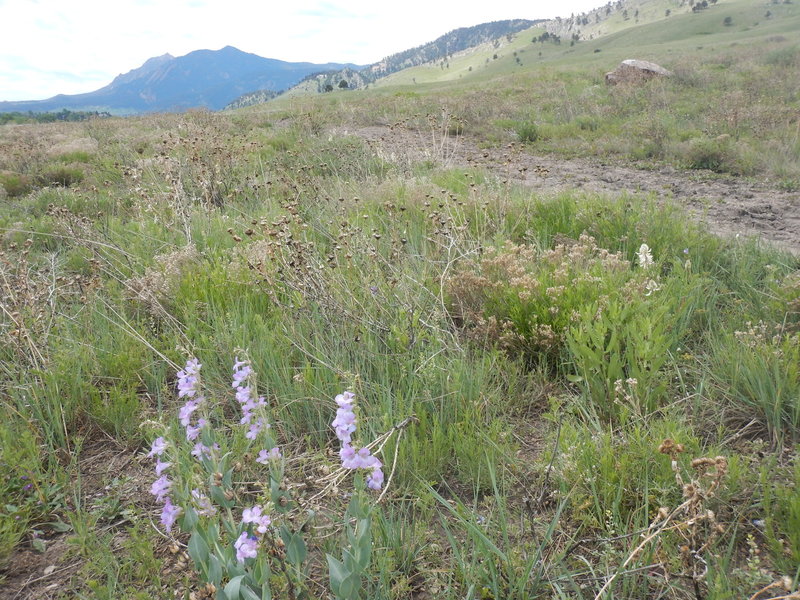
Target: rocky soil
{"points": [[728, 205]]}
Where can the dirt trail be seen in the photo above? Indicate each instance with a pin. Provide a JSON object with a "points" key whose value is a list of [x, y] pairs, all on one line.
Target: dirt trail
{"points": [[728, 205]]}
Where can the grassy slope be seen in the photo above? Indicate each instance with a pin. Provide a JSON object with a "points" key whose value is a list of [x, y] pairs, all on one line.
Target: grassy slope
{"points": [[679, 34]]}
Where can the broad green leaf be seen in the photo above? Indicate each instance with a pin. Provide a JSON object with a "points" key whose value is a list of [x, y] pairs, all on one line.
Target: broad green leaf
{"points": [[261, 570], [214, 569], [337, 573], [348, 589], [247, 593], [190, 519], [296, 550], [198, 550], [232, 589]]}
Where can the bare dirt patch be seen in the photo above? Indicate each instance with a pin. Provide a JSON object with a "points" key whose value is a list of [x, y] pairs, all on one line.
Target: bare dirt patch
{"points": [[107, 472], [728, 205]]}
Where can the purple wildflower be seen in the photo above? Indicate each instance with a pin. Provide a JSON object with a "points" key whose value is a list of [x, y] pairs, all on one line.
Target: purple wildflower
{"points": [[161, 466], [188, 378], [348, 455], [375, 479], [345, 422], [160, 487], [185, 413], [192, 431], [243, 394], [246, 547], [255, 516], [158, 447], [241, 371], [169, 514], [256, 428], [248, 407], [201, 451], [264, 456], [345, 425], [345, 400]]}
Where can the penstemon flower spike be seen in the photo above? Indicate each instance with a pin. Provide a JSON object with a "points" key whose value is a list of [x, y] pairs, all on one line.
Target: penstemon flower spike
{"points": [[240, 553]]}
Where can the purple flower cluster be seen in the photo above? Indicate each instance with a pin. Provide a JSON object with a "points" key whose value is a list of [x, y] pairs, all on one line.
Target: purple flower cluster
{"points": [[267, 455], [250, 403], [345, 425], [245, 395], [188, 387], [162, 486], [247, 544]]}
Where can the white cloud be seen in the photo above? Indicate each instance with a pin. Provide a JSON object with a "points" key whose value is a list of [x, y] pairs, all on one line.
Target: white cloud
{"points": [[51, 46]]}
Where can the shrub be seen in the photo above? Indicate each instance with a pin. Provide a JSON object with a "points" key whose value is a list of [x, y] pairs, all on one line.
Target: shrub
{"points": [[524, 299], [63, 176], [782, 523], [587, 123], [783, 57], [528, 131], [15, 185], [618, 481], [619, 348], [711, 154]]}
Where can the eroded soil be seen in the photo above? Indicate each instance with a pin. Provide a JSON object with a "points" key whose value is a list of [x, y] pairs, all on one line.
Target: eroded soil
{"points": [[728, 205]]}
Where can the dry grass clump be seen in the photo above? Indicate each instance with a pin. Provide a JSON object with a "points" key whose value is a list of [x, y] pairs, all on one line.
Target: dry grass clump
{"points": [[31, 293], [159, 284], [694, 522], [67, 145]]}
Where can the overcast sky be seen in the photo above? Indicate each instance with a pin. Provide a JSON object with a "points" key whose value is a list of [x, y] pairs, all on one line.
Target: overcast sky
{"points": [[50, 47]]}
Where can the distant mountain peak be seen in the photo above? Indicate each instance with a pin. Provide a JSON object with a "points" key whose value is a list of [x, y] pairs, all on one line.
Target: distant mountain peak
{"points": [[202, 78]]}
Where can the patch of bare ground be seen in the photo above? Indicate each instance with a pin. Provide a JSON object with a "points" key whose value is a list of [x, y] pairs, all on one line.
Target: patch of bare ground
{"points": [[728, 205], [107, 472]]}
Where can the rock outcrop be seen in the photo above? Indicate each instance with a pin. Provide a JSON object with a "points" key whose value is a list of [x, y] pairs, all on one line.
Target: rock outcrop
{"points": [[635, 71]]}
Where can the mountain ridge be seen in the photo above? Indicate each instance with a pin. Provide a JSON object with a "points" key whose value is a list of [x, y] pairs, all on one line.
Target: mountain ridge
{"points": [[445, 45], [200, 79]]}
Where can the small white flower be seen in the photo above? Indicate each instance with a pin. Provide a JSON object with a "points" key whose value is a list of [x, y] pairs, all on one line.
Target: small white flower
{"points": [[651, 286], [645, 257]]}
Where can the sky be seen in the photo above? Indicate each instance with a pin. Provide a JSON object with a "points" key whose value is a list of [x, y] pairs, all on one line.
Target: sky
{"points": [[50, 47]]}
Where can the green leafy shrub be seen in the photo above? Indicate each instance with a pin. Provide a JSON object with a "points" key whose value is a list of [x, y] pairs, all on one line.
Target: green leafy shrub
{"points": [[712, 154], [16, 185], [528, 131], [587, 123], [618, 482], [781, 506], [64, 176], [524, 299], [619, 348], [783, 57]]}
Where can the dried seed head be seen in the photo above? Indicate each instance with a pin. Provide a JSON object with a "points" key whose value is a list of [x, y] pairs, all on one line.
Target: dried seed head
{"points": [[667, 446]]}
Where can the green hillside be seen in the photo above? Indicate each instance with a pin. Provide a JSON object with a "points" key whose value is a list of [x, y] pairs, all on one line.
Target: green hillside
{"points": [[662, 39]]}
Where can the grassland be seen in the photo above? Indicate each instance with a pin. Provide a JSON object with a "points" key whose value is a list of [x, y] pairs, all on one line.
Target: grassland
{"points": [[568, 419]]}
